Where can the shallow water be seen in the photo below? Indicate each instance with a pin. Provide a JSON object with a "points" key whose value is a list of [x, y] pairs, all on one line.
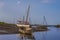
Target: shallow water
{"points": [[52, 34]]}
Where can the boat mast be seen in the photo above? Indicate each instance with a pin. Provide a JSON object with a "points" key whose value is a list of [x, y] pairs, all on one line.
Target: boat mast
{"points": [[44, 20], [27, 16], [23, 20]]}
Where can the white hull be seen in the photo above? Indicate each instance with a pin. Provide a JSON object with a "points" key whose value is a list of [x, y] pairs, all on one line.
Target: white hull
{"points": [[24, 28]]}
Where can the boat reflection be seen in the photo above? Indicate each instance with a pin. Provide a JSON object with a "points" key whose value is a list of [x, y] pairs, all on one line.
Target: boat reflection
{"points": [[26, 37]]}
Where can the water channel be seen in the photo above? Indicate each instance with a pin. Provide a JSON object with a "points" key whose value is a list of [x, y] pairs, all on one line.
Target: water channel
{"points": [[52, 34]]}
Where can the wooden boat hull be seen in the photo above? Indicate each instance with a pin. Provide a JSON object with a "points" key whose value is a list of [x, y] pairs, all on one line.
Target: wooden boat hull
{"points": [[25, 32]]}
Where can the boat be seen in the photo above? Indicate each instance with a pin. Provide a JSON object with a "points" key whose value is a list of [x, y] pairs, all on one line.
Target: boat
{"points": [[24, 28], [24, 25]]}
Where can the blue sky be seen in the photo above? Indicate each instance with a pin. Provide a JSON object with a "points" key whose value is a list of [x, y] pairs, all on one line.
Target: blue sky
{"points": [[12, 10]]}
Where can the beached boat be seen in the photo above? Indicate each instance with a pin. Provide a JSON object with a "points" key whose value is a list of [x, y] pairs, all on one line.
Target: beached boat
{"points": [[24, 25], [24, 28]]}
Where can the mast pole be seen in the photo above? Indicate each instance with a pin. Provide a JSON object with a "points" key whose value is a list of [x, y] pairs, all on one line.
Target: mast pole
{"points": [[44, 20], [27, 16]]}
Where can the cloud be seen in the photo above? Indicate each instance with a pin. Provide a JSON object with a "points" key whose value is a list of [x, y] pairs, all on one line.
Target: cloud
{"points": [[1, 4], [18, 2]]}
